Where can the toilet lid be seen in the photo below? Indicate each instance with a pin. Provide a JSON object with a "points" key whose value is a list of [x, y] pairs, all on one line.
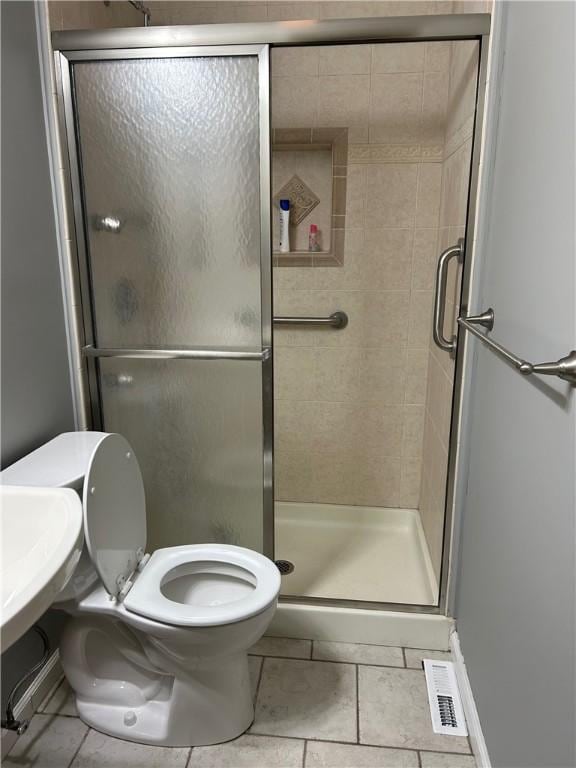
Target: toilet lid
{"points": [[114, 510]]}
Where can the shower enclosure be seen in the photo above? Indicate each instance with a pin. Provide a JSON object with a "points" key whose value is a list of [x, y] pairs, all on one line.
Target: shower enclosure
{"points": [[321, 432]]}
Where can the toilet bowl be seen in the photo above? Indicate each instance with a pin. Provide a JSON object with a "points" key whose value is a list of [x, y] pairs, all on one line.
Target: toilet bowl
{"points": [[156, 646]]}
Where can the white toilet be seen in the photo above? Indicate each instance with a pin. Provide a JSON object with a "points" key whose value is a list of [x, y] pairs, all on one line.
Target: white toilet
{"points": [[156, 649]]}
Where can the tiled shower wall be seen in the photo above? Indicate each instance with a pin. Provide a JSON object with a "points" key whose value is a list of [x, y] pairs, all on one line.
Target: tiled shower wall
{"points": [[361, 397], [455, 175], [92, 14], [350, 403]]}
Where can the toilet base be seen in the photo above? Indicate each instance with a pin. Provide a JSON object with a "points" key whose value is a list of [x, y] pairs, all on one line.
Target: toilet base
{"points": [[213, 707], [139, 687]]}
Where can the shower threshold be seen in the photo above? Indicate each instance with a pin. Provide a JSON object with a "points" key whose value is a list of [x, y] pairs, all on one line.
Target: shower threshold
{"points": [[354, 553]]}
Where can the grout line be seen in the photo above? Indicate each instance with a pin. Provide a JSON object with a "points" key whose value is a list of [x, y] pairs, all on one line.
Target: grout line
{"points": [[337, 661], [404, 657], [312, 649], [189, 758], [257, 691], [419, 756], [304, 753], [75, 755], [357, 706], [354, 743]]}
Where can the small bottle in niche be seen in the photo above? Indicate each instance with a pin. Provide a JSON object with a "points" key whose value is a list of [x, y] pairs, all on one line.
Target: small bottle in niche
{"points": [[284, 226], [314, 238]]}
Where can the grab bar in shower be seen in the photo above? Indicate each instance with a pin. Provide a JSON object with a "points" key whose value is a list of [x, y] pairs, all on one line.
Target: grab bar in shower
{"points": [[337, 320], [564, 368], [178, 354]]}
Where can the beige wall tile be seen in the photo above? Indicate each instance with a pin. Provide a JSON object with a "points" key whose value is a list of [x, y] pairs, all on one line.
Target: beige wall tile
{"points": [[344, 59], [420, 320], [412, 431], [353, 427], [434, 105], [343, 100], [374, 481], [293, 476], [424, 259], [294, 62], [361, 375], [398, 57], [410, 480], [345, 9], [455, 180], [294, 102], [373, 260], [391, 195], [437, 57], [377, 318], [462, 93], [280, 11], [428, 198], [416, 374], [292, 421], [356, 197], [295, 373], [396, 108]]}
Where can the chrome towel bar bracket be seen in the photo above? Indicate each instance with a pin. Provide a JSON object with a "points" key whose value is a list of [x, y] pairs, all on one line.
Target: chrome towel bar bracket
{"points": [[564, 369], [337, 320]]}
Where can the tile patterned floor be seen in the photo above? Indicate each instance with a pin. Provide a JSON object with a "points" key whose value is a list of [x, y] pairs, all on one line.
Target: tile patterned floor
{"points": [[318, 705]]}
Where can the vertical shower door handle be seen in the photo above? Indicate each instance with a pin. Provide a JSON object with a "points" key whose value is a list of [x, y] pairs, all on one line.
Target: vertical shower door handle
{"points": [[455, 251]]}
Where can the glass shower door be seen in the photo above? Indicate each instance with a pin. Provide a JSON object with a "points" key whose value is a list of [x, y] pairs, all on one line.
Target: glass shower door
{"points": [[173, 168]]}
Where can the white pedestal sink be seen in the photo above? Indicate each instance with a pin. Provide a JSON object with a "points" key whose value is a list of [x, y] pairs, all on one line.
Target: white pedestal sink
{"points": [[42, 537]]}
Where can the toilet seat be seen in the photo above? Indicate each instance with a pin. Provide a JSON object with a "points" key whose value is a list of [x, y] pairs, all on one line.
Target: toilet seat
{"points": [[189, 586], [203, 585]]}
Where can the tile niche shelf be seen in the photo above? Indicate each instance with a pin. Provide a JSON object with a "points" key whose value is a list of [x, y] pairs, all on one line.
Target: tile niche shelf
{"points": [[313, 163]]}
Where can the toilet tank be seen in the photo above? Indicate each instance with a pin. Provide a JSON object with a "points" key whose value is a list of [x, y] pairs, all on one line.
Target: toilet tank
{"points": [[60, 463]]}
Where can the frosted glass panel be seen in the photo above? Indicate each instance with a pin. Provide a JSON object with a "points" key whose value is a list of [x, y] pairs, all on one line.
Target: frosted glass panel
{"points": [[170, 150], [196, 429]]}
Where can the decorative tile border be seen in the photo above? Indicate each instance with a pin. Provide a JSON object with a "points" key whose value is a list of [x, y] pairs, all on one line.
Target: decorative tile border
{"points": [[394, 153], [458, 138]]}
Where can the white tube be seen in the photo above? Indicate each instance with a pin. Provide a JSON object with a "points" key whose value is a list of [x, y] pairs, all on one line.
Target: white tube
{"points": [[284, 226]]}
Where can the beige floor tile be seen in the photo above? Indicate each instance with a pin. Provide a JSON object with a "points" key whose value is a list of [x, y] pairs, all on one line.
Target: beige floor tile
{"points": [[357, 653], [62, 701], [322, 755], [414, 656], [254, 667], [100, 751], [393, 706], [250, 752], [307, 699], [443, 760], [49, 742], [289, 647]]}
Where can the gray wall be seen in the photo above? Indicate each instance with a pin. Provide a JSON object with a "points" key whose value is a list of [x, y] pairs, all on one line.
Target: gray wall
{"points": [[36, 400], [515, 604], [36, 395]]}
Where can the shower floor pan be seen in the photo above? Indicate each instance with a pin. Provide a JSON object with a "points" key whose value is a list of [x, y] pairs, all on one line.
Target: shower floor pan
{"points": [[354, 553]]}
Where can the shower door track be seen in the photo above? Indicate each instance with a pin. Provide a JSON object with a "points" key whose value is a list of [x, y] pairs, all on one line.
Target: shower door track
{"points": [[161, 42]]}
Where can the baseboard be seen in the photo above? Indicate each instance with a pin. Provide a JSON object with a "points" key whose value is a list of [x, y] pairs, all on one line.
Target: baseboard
{"points": [[477, 741], [357, 625], [47, 679]]}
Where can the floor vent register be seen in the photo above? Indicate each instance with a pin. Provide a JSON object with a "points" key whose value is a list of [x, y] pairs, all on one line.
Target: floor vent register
{"points": [[444, 698]]}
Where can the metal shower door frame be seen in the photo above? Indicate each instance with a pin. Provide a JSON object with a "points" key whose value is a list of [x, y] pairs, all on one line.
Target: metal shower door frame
{"points": [[64, 61], [168, 41]]}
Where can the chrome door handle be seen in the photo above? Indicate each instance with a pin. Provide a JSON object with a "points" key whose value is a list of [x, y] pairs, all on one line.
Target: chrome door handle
{"points": [[448, 345]]}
